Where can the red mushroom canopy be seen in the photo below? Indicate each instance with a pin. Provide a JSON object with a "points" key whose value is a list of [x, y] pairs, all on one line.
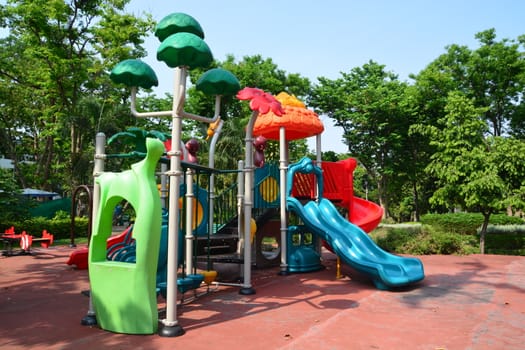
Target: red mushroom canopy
{"points": [[298, 121]]}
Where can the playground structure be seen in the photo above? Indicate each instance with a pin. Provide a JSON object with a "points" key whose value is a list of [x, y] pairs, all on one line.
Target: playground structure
{"points": [[347, 240], [124, 290]]}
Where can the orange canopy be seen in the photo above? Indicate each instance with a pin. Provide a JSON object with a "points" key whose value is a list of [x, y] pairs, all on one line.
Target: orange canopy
{"points": [[298, 121]]}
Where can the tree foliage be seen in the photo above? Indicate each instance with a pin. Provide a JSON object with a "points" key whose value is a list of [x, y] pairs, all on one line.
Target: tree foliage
{"points": [[369, 104], [54, 65], [13, 206], [378, 113], [453, 137], [493, 75], [474, 172]]}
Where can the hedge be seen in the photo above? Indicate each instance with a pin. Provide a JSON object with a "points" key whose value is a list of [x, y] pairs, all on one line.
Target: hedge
{"points": [[59, 227], [466, 223]]}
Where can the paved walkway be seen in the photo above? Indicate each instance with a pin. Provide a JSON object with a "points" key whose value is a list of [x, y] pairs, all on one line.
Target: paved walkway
{"points": [[465, 302]]}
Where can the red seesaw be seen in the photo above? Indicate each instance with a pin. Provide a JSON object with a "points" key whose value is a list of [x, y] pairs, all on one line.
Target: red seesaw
{"points": [[9, 237]]}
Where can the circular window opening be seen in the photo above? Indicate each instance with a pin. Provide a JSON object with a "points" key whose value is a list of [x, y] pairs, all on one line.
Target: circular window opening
{"points": [[270, 248]]}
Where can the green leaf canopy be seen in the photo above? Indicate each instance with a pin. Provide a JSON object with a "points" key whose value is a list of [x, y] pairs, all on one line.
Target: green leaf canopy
{"points": [[218, 81], [134, 72], [177, 23], [184, 49]]}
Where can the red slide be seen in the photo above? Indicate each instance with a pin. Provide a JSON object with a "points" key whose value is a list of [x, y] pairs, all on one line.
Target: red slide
{"points": [[338, 187], [338, 178], [365, 214], [79, 257]]}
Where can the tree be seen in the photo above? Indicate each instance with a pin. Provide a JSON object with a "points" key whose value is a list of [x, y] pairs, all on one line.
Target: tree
{"points": [[493, 75], [13, 206], [473, 172], [369, 104], [496, 72], [56, 57]]}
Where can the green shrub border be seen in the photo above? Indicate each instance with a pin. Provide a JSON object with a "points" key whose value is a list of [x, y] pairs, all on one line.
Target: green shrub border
{"points": [[466, 223], [456, 233], [60, 228]]}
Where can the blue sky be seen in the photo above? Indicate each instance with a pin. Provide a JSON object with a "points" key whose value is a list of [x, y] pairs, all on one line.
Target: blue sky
{"points": [[323, 38]]}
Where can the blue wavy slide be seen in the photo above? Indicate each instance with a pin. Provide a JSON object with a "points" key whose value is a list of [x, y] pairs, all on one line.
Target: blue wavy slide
{"points": [[355, 247]]}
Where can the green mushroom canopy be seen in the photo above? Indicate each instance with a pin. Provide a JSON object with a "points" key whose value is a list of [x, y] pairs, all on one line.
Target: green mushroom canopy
{"points": [[134, 72], [175, 23], [184, 49], [218, 81]]}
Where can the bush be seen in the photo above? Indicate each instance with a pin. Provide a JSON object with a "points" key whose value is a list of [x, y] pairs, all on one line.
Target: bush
{"points": [[394, 239], [504, 219], [449, 243], [59, 227], [457, 222], [424, 240], [465, 223], [508, 239]]}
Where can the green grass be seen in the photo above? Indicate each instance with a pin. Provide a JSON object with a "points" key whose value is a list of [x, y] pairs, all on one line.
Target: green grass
{"points": [[67, 241]]}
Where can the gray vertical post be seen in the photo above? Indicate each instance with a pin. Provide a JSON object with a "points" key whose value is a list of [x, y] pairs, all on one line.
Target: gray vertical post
{"points": [[98, 168]]}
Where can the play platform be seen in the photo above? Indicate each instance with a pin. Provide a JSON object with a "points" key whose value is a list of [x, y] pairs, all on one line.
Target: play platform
{"points": [[465, 302]]}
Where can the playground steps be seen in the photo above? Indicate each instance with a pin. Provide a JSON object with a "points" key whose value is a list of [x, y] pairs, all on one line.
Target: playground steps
{"points": [[222, 243], [223, 246], [233, 258]]}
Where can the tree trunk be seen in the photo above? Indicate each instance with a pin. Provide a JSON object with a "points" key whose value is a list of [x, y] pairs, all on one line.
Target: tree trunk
{"points": [[45, 164], [483, 232], [383, 199], [416, 202]]}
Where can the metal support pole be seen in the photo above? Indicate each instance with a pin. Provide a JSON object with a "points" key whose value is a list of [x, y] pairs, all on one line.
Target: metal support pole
{"points": [[169, 326], [247, 288], [319, 163], [189, 221], [240, 204], [164, 185], [316, 188], [98, 168], [211, 165], [283, 167]]}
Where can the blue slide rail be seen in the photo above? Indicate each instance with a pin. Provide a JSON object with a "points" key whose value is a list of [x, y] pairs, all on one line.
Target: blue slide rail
{"points": [[348, 241]]}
